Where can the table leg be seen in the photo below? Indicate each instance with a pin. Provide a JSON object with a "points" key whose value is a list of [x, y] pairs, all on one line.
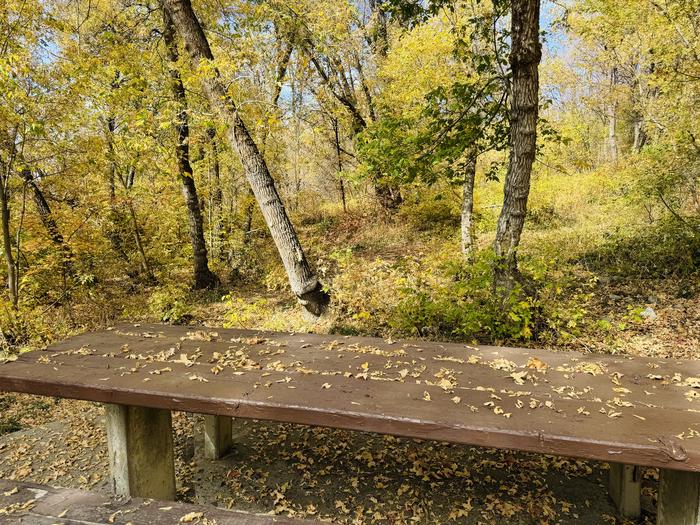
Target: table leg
{"points": [[679, 498], [141, 458], [217, 436], [625, 487]]}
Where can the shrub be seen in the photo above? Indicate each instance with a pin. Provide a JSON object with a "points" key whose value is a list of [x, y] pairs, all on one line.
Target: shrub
{"points": [[170, 304]]}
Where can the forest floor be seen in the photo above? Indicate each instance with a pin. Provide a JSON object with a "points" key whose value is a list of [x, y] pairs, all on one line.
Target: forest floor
{"points": [[616, 290], [343, 477]]}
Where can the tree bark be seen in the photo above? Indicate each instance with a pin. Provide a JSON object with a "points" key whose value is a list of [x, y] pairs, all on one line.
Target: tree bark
{"points": [[145, 267], [12, 281], [525, 56], [612, 118], [217, 200], [204, 278], [303, 281], [467, 240], [339, 158]]}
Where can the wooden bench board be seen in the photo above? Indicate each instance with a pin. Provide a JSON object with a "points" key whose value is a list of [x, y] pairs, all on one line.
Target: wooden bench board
{"points": [[612, 408], [41, 505]]}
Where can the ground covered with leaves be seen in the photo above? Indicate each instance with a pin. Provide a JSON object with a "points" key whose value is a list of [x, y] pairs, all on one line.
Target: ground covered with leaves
{"points": [[332, 475]]}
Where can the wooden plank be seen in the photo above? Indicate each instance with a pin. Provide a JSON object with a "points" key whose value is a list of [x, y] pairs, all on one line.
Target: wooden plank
{"points": [[625, 487], [30, 504], [141, 458], [679, 498], [217, 436], [610, 408]]}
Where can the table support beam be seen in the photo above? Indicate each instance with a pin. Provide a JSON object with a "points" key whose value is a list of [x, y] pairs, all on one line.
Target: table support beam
{"points": [[218, 439], [625, 486], [679, 498], [141, 459]]}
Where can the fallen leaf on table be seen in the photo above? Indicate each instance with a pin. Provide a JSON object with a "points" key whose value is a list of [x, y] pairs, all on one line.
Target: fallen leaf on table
{"points": [[537, 364], [189, 518], [519, 377]]}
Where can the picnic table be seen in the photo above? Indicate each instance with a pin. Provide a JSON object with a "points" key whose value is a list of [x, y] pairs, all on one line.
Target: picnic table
{"points": [[628, 411]]}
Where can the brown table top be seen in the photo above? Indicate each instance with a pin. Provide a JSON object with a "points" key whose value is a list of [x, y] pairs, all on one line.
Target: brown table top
{"points": [[612, 408]]}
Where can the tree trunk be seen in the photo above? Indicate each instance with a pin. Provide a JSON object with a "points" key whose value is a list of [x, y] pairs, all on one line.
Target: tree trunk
{"points": [[145, 267], [217, 200], [303, 281], [388, 194], [47, 219], [12, 281], [612, 118], [341, 183], [114, 232], [467, 240], [525, 56], [204, 278]]}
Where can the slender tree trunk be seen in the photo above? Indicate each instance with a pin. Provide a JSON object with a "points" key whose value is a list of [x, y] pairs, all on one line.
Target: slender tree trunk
{"points": [[49, 222], [12, 278], [388, 194], [525, 56], [640, 137], [341, 183], [612, 118], [145, 267], [467, 240], [114, 232], [217, 199], [248, 219], [204, 278], [303, 281]]}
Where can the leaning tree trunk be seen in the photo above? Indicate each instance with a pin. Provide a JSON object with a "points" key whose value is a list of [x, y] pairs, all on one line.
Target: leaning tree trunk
{"points": [[303, 281], [49, 222], [525, 56], [204, 278], [467, 238]]}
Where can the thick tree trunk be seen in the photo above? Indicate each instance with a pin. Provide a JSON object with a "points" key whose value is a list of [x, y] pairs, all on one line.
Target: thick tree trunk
{"points": [[525, 57], [467, 240], [303, 281], [204, 278], [12, 281]]}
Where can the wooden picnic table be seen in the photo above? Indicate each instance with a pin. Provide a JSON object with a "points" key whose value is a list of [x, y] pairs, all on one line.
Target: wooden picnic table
{"points": [[630, 411]]}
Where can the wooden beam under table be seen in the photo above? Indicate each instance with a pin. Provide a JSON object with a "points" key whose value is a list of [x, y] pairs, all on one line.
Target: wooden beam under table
{"points": [[679, 498], [217, 436], [141, 459], [625, 487]]}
